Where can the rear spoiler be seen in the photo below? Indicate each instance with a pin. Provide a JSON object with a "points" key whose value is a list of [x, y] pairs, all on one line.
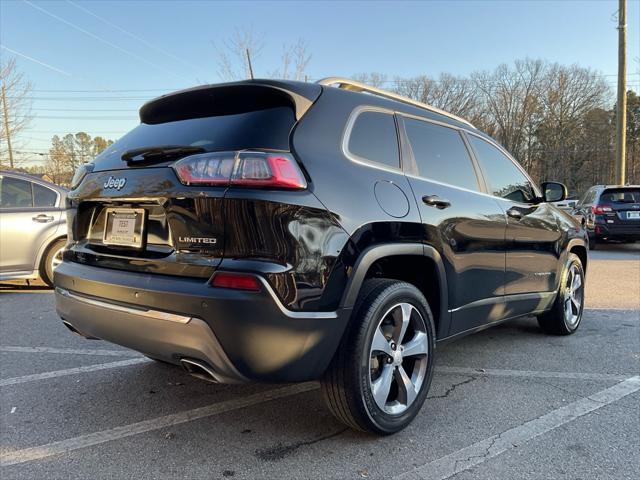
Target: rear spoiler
{"points": [[230, 98]]}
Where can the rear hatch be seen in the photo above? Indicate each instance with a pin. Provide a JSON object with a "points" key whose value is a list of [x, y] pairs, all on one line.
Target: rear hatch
{"points": [[624, 204], [137, 214]]}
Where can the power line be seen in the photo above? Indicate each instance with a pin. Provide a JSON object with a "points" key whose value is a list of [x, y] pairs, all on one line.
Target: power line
{"points": [[82, 99], [39, 62], [100, 39], [123, 110], [51, 67], [23, 152], [172, 89], [110, 90], [64, 117], [132, 35], [57, 132]]}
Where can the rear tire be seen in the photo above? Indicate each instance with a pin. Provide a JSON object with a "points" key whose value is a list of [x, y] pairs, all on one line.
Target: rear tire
{"points": [[592, 243], [565, 315], [51, 259], [380, 375]]}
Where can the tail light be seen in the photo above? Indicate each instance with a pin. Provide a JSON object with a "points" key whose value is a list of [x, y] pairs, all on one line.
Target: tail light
{"points": [[237, 281], [243, 168], [601, 209]]}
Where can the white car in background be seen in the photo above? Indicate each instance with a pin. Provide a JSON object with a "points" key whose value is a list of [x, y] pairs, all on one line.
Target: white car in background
{"points": [[33, 227]]}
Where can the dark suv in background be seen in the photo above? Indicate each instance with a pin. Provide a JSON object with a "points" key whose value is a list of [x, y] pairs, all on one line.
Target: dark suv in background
{"points": [[278, 231], [610, 212]]}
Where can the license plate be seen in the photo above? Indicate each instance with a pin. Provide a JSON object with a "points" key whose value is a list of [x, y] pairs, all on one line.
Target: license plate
{"points": [[633, 215], [124, 227]]}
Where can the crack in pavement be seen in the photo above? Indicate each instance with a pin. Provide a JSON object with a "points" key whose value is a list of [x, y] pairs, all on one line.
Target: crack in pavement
{"points": [[453, 387], [280, 451], [455, 470]]}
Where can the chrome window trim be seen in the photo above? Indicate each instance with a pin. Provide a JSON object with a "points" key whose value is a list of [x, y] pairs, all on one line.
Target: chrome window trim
{"points": [[346, 135], [445, 184], [370, 163]]}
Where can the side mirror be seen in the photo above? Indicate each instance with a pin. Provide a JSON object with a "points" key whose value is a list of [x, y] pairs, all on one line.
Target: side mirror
{"points": [[554, 191]]}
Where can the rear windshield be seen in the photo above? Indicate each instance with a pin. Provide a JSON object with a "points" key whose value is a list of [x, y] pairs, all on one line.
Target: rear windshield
{"points": [[621, 195], [267, 128]]}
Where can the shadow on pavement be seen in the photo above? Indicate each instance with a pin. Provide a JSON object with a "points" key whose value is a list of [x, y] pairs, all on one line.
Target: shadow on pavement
{"points": [[24, 286]]}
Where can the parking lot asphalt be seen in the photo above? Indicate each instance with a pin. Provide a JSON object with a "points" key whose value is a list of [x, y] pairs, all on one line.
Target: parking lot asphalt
{"points": [[508, 402]]}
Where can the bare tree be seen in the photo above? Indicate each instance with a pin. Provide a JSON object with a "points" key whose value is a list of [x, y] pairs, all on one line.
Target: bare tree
{"points": [[233, 64], [453, 94], [510, 99], [295, 60], [232, 56], [375, 79], [18, 107], [566, 94]]}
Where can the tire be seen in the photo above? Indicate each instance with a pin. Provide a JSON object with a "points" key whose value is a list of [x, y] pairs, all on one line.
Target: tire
{"points": [[361, 367], [559, 320], [51, 256], [593, 243]]}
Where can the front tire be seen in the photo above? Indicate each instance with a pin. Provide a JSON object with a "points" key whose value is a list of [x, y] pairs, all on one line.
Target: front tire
{"points": [[380, 375], [566, 314]]}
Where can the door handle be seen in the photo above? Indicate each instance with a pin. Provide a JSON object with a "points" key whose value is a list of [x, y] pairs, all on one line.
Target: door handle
{"points": [[514, 213], [435, 201], [42, 218]]}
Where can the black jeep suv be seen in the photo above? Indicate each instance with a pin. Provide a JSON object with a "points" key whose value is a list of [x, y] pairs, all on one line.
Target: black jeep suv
{"points": [[275, 231]]}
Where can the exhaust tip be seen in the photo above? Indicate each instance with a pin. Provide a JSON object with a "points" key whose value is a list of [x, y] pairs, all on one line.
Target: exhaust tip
{"points": [[199, 369], [76, 331]]}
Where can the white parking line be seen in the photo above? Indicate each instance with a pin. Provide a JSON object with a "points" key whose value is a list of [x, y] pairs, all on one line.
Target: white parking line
{"points": [[71, 371], [91, 439], [493, 446], [71, 351], [439, 469], [532, 374]]}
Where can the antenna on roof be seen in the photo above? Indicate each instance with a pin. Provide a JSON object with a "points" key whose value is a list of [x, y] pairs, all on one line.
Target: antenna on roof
{"points": [[249, 64]]}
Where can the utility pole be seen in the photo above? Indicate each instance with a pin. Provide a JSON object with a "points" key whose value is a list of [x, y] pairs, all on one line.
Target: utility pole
{"points": [[621, 114], [249, 64], [6, 124]]}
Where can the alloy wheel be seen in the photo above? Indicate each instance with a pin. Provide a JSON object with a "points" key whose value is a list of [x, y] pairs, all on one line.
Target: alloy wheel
{"points": [[56, 258], [398, 358], [573, 296]]}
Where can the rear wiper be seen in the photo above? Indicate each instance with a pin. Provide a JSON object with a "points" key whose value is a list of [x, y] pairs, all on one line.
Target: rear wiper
{"points": [[159, 152]]}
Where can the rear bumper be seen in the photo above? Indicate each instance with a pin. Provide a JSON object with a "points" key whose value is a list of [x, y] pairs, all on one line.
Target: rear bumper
{"points": [[242, 336], [608, 231]]}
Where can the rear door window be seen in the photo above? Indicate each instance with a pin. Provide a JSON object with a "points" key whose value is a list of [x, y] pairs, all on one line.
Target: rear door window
{"points": [[15, 193], [373, 138], [504, 177], [440, 154], [43, 196]]}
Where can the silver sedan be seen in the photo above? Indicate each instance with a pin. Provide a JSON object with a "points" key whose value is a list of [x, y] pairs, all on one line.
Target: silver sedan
{"points": [[33, 228]]}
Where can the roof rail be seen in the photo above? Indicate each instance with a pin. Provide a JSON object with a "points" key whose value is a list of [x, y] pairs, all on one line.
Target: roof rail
{"points": [[354, 86]]}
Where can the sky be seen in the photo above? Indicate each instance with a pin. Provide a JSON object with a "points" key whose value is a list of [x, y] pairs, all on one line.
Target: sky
{"points": [[94, 63]]}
